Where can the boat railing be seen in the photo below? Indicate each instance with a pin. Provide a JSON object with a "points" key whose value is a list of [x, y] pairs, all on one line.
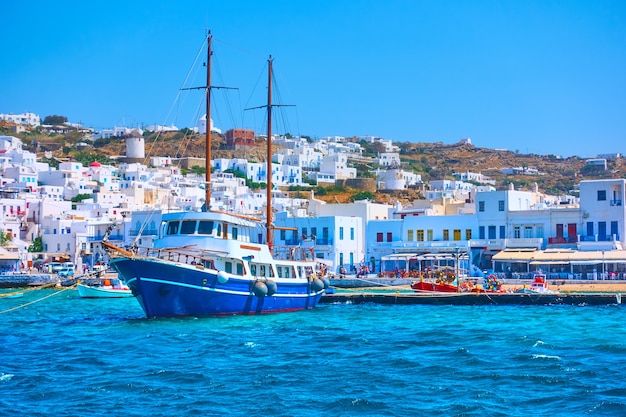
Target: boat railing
{"points": [[186, 256], [294, 253]]}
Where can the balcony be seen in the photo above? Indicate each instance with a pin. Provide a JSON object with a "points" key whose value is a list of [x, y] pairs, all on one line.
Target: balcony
{"points": [[145, 232], [561, 240], [600, 238], [98, 238], [324, 241]]}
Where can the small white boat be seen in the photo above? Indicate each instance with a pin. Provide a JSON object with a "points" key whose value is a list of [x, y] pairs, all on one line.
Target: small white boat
{"points": [[539, 285], [107, 288]]}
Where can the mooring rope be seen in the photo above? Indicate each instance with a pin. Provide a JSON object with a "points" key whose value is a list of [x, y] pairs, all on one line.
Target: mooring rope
{"points": [[37, 300]]}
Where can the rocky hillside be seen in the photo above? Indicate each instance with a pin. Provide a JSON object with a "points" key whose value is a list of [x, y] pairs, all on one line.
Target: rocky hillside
{"points": [[431, 160]]}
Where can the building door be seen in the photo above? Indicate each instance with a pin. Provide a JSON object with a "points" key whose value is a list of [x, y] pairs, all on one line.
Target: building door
{"points": [[571, 232], [559, 230]]}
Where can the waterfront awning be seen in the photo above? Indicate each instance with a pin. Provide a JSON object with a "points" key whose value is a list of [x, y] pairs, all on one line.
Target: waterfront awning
{"points": [[9, 256], [556, 257], [515, 255], [548, 262]]}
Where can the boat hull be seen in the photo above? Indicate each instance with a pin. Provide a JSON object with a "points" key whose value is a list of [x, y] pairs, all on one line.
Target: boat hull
{"points": [[433, 287], [87, 291], [170, 289]]}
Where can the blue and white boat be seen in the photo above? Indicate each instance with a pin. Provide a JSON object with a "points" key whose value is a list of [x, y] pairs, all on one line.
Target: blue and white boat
{"points": [[213, 263], [209, 263]]}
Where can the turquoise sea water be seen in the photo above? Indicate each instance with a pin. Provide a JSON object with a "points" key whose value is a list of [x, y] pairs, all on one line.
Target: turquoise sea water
{"points": [[67, 356]]}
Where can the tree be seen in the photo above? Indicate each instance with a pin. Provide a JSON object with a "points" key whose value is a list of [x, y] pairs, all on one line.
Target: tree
{"points": [[363, 195], [54, 120], [37, 245], [198, 170], [80, 197], [5, 237]]}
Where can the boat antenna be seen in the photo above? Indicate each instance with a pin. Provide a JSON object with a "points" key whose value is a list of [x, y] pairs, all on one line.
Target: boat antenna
{"points": [[208, 87]]}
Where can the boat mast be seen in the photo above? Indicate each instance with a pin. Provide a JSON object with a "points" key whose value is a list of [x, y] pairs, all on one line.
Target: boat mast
{"points": [[269, 225], [207, 140]]}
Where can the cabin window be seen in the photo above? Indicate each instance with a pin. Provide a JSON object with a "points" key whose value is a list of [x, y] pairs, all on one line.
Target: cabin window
{"points": [[219, 229], [253, 269], [457, 234], [262, 270], [409, 235], [239, 266], [188, 227], [228, 267], [389, 237], [341, 233], [420, 235], [172, 228], [468, 234], [429, 235], [279, 270], [446, 234], [234, 233], [379, 237], [205, 227], [352, 233]]}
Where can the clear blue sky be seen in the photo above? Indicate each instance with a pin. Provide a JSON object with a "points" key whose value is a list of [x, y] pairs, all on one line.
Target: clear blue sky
{"points": [[537, 76]]}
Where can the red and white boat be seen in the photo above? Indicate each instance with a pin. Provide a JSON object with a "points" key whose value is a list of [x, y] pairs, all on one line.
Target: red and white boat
{"points": [[491, 285], [539, 285], [433, 286]]}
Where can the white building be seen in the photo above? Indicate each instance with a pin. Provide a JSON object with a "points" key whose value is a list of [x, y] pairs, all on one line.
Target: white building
{"points": [[603, 214], [336, 165], [396, 179], [475, 177], [24, 119], [388, 159], [335, 239], [202, 125]]}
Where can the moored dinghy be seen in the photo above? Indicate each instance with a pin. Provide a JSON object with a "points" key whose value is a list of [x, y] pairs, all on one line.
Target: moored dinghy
{"points": [[104, 288]]}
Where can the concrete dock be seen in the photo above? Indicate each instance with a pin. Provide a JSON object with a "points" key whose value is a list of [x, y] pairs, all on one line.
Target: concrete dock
{"points": [[390, 297]]}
